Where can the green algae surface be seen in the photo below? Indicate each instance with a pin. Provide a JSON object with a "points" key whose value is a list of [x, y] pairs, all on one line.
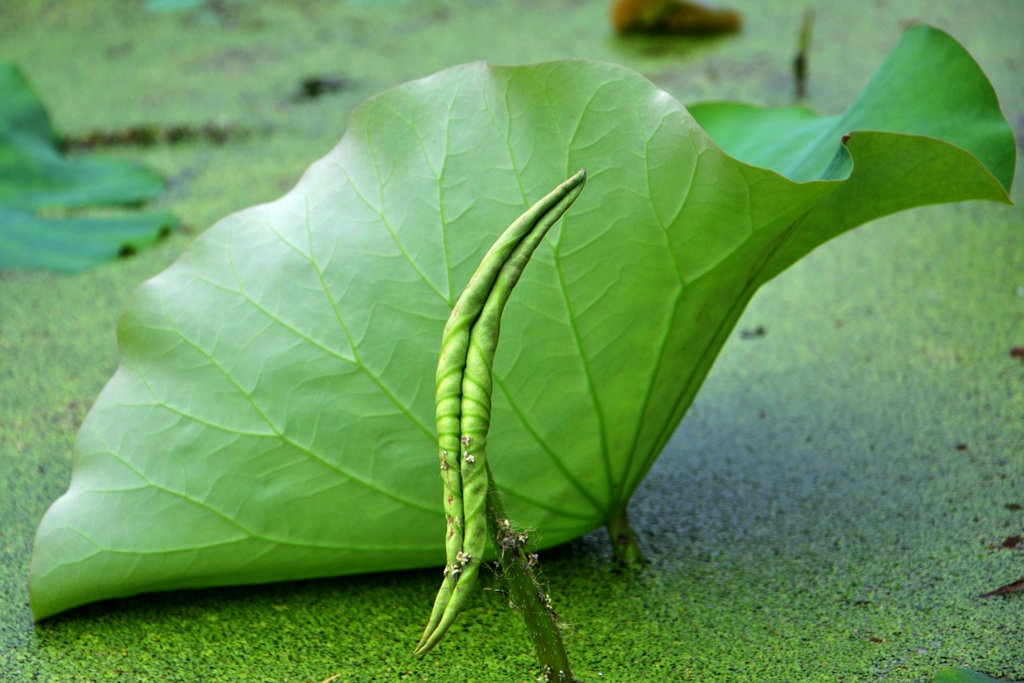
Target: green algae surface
{"points": [[831, 507]]}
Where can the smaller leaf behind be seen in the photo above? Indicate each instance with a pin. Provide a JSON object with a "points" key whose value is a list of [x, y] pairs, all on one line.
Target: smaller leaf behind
{"points": [[928, 85], [958, 675], [35, 179]]}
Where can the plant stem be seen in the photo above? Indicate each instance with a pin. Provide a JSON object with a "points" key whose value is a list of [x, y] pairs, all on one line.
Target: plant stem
{"points": [[624, 546], [525, 594]]}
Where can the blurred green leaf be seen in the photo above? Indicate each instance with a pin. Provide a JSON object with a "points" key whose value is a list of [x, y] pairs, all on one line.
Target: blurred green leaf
{"points": [[172, 5], [956, 675], [36, 181], [272, 416]]}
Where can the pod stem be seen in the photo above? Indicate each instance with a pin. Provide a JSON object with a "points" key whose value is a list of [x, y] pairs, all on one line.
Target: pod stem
{"points": [[525, 594]]}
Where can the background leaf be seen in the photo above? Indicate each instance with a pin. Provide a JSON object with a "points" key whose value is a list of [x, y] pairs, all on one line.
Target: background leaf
{"points": [[271, 413], [794, 140], [36, 180], [957, 675]]}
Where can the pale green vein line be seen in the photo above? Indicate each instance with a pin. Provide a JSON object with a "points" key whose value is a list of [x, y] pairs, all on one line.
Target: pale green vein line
{"points": [[211, 509], [429, 433], [384, 221], [280, 321], [506, 136], [442, 213], [194, 418], [266, 419], [588, 376], [663, 347], [549, 507], [717, 340], [222, 544], [546, 448]]}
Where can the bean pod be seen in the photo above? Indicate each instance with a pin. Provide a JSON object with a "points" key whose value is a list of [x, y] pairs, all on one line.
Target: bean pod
{"points": [[463, 399]]}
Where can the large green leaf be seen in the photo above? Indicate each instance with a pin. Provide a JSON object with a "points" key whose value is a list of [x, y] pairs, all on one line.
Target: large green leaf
{"points": [[35, 179], [272, 415]]}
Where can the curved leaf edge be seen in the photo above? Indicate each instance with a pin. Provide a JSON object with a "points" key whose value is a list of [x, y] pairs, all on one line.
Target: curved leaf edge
{"points": [[928, 49]]}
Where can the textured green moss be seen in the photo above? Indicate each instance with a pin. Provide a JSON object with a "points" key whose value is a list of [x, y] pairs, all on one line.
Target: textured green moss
{"points": [[815, 516]]}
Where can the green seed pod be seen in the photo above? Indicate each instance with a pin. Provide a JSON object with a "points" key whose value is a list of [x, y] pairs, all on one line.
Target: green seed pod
{"points": [[463, 399]]}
